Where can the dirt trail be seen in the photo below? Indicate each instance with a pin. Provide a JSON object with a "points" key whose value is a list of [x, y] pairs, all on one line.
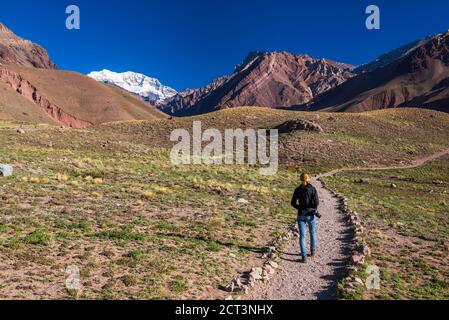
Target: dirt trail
{"points": [[415, 164], [317, 280]]}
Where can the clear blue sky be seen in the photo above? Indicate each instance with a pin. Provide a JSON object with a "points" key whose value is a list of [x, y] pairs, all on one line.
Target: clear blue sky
{"points": [[189, 43]]}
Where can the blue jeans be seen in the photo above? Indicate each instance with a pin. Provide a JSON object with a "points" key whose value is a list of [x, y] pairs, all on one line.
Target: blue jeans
{"points": [[303, 222]]}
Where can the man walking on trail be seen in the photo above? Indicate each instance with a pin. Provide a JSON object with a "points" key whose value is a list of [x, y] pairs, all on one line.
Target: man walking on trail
{"points": [[306, 201]]}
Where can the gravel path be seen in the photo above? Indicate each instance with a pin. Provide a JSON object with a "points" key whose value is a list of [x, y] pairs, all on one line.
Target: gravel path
{"points": [[318, 278]]}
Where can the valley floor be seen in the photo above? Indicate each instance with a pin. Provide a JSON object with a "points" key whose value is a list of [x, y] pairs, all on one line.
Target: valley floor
{"points": [[319, 278], [406, 215]]}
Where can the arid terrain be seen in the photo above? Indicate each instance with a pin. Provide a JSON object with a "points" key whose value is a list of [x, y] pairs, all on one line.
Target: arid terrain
{"points": [[94, 189], [265, 79], [108, 200]]}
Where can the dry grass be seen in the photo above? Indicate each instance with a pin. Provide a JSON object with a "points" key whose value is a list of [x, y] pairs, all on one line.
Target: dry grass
{"points": [[394, 136], [407, 228]]}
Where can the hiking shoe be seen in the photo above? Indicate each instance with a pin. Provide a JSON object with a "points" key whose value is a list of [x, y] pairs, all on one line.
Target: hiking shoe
{"points": [[304, 260]]}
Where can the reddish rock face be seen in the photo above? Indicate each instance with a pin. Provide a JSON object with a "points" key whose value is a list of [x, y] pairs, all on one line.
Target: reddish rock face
{"points": [[15, 50], [264, 79], [419, 79]]}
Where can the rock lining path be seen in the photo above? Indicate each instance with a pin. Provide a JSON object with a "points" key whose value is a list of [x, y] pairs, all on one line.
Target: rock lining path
{"points": [[317, 280]]}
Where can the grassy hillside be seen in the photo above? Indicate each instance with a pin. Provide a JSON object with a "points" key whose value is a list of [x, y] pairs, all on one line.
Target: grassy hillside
{"points": [[394, 136], [406, 214], [109, 201]]}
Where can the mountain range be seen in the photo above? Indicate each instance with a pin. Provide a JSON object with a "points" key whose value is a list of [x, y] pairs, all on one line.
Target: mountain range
{"points": [[34, 90], [266, 79], [15, 50], [413, 75], [392, 56]]}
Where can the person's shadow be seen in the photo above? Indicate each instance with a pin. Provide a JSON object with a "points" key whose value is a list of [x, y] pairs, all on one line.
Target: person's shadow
{"points": [[288, 256], [339, 267]]}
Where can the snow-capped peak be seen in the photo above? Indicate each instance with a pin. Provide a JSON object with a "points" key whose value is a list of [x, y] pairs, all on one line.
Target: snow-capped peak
{"points": [[149, 89]]}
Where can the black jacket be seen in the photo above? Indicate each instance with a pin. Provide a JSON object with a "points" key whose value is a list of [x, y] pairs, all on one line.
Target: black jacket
{"points": [[305, 200]]}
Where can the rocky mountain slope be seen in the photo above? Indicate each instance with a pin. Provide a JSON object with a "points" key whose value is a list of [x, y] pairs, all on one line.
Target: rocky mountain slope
{"points": [[74, 100], [145, 228], [267, 79], [149, 89], [392, 56], [419, 79], [15, 50], [32, 90]]}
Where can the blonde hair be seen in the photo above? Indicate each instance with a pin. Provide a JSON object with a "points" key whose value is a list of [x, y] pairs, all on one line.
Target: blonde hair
{"points": [[305, 178]]}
